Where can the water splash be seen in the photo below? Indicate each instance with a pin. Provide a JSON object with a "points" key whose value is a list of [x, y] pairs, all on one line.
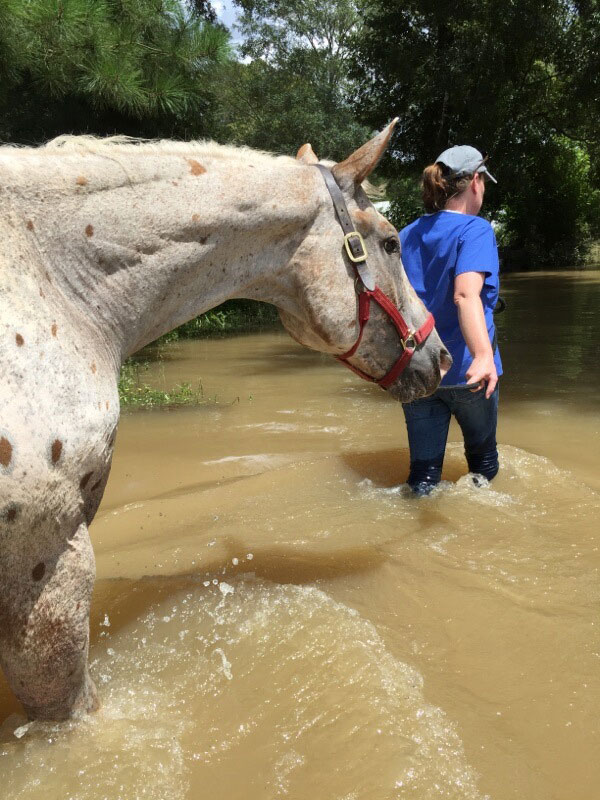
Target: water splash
{"points": [[182, 715]]}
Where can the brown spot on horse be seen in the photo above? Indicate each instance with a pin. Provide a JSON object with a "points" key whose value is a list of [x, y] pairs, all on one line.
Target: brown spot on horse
{"points": [[89, 230], [5, 451], [38, 572], [93, 367], [10, 513], [54, 328], [19, 340], [56, 450], [81, 180], [196, 167], [29, 225]]}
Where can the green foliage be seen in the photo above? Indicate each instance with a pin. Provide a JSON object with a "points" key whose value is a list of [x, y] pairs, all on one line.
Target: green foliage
{"points": [[460, 70], [578, 61], [504, 78], [293, 84], [281, 109], [406, 202], [202, 8], [12, 44], [135, 393], [556, 210], [100, 66], [230, 318]]}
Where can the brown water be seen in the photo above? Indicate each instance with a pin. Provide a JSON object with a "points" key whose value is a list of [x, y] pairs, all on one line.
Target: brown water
{"points": [[275, 618]]}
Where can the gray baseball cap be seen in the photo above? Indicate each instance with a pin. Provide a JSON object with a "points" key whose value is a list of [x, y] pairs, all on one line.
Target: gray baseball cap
{"points": [[464, 160]]}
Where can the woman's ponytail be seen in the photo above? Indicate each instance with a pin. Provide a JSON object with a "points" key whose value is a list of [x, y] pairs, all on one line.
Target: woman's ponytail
{"points": [[438, 187]]}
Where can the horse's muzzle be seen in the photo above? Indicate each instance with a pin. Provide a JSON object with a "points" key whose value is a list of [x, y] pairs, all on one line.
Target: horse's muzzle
{"points": [[423, 376]]}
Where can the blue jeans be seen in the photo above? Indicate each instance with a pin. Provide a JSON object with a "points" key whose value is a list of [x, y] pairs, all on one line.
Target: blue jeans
{"points": [[427, 422]]}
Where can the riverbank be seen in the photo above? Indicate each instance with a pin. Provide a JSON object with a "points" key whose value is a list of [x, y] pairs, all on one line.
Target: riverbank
{"points": [[230, 318]]}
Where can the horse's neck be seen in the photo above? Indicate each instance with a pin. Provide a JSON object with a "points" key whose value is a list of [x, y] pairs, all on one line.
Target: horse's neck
{"points": [[143, 241]]}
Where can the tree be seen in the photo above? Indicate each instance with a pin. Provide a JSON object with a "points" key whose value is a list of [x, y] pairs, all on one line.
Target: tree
{"points": [[100, 66], [202, 8], [292, 84], [579, 64], [495, 75]]}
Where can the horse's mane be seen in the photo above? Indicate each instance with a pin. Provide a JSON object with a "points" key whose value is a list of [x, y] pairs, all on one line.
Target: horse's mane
{"points": [[68, 143], [112, 145]]}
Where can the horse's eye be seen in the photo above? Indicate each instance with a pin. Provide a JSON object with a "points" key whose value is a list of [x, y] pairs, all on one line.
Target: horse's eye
{"points": [[392, 245]]}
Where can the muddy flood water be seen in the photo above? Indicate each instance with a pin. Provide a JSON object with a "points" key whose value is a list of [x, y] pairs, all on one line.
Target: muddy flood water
{"points": [[275, 617]]}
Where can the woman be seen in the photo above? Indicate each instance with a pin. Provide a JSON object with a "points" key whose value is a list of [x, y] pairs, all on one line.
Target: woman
{"points": [[451, 258]]}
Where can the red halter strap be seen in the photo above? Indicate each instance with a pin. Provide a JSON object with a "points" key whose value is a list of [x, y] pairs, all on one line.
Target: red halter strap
{"points": [[367, 290]]}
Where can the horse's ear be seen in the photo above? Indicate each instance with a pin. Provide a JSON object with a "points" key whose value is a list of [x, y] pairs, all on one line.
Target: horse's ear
{"points": [[353, 171], [306, 155]]}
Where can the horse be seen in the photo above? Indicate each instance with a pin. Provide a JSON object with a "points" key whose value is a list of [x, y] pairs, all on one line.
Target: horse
{"points": [[106, 245]]}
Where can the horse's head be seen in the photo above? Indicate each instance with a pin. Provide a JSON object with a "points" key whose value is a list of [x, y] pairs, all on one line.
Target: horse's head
{"points": [[409, 366]]}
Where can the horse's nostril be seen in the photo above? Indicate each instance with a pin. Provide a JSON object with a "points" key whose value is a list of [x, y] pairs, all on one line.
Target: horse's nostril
{"points": [[445, 361]]}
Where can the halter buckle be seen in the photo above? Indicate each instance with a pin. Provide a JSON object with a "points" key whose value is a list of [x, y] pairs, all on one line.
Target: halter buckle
{"points": [[409, 342], [355, 255]]}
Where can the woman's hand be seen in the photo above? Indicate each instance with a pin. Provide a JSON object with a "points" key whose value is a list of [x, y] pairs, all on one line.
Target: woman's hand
{"points": [[483, 369]]}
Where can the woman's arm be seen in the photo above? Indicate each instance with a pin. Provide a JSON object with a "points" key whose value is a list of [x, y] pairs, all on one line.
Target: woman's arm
{"points": [[467, 297]]}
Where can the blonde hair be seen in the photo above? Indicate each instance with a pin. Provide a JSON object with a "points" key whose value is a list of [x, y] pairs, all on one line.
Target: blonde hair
{"points": [[439, 186]]}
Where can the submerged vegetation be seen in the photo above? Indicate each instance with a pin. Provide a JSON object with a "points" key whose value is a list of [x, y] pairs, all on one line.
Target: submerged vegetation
{"points": [[135, 393], [229, 319]]}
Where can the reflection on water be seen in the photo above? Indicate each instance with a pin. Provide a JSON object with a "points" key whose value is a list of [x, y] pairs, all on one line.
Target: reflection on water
{"points": [[276, 617], [549, 336]]}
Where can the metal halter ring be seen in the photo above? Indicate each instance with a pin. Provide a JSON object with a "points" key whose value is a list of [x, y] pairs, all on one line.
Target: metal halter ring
{"points": [[409, 343]]}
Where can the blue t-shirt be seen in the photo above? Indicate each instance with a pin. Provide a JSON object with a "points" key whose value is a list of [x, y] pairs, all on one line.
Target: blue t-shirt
{"points": [[435, 249]]}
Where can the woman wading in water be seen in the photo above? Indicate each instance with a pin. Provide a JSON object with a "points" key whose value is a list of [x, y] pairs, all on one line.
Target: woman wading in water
{"points": [[451, 259]]}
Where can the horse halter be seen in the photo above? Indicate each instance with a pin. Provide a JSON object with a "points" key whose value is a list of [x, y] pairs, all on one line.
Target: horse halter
{"points": [[367, 290]]}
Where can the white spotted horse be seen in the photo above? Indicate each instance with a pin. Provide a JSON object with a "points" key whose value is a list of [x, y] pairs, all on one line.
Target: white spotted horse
{"points": [[106, 245]]}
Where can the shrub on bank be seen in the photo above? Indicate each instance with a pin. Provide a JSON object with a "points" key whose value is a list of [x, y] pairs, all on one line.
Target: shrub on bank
{"points": [[230, 318]]}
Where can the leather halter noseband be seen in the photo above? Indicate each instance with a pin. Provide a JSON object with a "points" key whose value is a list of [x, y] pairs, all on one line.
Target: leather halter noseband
{"points": [[367, 290]]}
